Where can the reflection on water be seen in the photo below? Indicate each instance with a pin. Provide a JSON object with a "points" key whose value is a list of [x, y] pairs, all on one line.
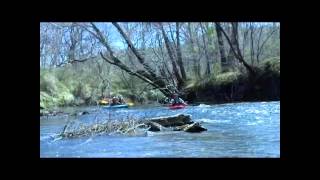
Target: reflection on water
{"points": [[234, 130]]}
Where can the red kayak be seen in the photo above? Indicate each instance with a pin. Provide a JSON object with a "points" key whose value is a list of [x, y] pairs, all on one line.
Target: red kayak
{"points": [[177, 106]]}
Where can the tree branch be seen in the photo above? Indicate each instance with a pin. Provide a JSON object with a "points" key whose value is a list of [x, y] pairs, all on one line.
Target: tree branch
{"points": [[263, 43], [134, 50], [123, 67]]}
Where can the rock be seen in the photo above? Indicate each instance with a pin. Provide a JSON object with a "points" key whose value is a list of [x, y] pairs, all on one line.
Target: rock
{"points": [[180, 128], [142, 126], [195, 127], [154, 126], [179, 122], [170, 121], [82, 113]]}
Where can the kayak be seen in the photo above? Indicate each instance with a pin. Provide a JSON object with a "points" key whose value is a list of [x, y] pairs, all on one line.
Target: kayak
{"points": [[103, 102], [130, 104], [177, 106], [117, 106]]}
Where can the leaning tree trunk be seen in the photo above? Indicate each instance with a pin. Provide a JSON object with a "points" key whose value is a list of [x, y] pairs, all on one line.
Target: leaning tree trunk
{"points": [[147, 76], [234, 40], [237, 52], [180, 81]]}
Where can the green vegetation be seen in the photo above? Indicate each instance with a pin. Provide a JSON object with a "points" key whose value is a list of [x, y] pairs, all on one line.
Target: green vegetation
{"points": [[80, 85]]}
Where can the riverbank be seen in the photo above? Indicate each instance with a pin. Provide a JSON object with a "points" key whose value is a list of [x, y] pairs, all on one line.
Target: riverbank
{"points": [[220, 88], [238, 87]]}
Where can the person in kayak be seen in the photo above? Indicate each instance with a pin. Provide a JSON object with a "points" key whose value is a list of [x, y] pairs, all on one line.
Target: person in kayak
{"points": [[121, 100], [114, 101], [175, 100]]}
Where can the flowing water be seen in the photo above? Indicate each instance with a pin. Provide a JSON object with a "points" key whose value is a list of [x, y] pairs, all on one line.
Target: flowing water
{"points": [[234, 130]]}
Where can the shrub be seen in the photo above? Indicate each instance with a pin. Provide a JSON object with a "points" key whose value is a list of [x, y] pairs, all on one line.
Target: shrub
{"points": [[47, 101], [48, 82], [226, 78], [82, 91], [272, 65]]}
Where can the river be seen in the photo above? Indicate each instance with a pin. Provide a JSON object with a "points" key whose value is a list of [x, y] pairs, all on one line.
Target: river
{"points": [[250, 129]]}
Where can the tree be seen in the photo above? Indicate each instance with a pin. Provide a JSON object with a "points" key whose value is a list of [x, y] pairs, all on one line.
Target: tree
{"points": [[146, 75], [179, 79], [196, 61], [179, 54], [223, 58], [234, 42], [236, 50], [206, 51]]}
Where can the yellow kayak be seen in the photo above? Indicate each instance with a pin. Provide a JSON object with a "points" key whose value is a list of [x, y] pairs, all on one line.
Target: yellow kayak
{"points": [[103, 102], [130, 104]]}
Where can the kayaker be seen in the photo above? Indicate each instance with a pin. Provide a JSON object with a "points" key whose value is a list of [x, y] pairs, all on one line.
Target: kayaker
{"points": [[115, 101], [121, 100], [176, 100]]}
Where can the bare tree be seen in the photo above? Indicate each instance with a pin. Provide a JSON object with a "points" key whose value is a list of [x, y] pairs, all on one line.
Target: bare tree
{"points": [[204, 35], [147, 76], [221, 47], [260, 48], [196, 61], [236, 50], [179, 54], [252, 29], [234, 41], [179, 79]]}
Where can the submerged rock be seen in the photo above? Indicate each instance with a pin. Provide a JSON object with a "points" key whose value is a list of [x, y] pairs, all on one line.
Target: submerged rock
{"points": [[82, 113]]}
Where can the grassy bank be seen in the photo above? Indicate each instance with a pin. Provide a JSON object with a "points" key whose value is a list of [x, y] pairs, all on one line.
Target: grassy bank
{"points": [[80, 86]]}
